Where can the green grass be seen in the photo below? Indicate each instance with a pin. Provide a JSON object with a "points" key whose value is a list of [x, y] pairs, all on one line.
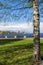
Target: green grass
{"points": [[17, 52]]}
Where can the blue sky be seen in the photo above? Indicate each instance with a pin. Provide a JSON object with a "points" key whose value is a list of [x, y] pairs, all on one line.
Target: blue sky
{"points": [[17, 20]]}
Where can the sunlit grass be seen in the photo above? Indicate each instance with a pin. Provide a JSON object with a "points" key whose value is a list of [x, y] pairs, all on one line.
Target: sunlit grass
{"points": [[17, 52]]}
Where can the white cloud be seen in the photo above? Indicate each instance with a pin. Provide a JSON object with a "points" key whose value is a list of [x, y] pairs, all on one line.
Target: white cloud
{"points": [[41, 27], [28, 27], [16, 26]]}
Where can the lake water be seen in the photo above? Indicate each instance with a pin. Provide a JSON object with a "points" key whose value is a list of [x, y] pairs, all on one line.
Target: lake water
{"points": [[18, 35]]}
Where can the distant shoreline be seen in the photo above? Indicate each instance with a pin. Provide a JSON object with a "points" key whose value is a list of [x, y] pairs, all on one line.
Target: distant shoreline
{"points": [[22, 38]]}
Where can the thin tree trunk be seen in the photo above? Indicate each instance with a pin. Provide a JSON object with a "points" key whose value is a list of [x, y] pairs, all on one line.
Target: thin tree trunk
{"points": [[36, 27]]}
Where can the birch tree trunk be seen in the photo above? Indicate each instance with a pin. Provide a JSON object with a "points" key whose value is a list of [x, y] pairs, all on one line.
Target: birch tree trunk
{"points": [[36, 26]]}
